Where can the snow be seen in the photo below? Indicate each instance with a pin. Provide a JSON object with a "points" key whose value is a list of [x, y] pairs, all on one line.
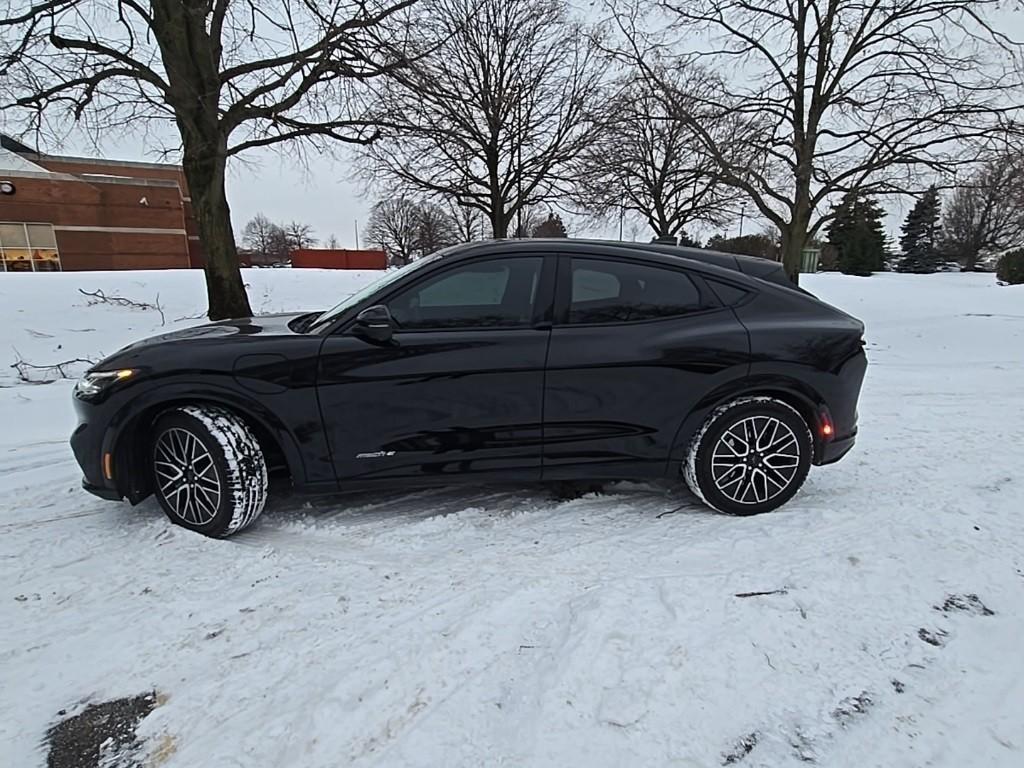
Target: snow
{"points": [[497, 626], [13, 162]]}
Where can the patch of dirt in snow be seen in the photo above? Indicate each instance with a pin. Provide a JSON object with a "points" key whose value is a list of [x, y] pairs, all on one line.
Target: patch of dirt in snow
{"points": [[742, 748], [969, 603], [936, 637], [102, 735], [852, 707]]}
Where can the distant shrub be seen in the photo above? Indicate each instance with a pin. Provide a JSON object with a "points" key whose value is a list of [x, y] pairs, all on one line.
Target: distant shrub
{"points": [[828, 260], [1011, 268]]}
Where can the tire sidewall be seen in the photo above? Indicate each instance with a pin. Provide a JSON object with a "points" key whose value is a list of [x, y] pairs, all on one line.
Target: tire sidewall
{"points": [[221, 521], [720, 421]]}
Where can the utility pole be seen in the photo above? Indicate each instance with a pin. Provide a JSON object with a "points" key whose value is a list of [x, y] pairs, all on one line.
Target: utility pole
{"points": [[519, 151], [743, 210], [356, 227], [622, 216]]}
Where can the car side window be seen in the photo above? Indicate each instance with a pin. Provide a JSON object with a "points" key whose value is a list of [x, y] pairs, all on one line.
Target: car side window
{"points": [[498, 293], [620, 291]]}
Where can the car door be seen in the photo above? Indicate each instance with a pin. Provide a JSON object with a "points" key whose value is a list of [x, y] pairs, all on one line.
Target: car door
{"points": [[634, 347], [458, 389]]}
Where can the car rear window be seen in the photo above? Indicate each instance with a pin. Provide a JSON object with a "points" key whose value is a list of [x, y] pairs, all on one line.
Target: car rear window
{"points": [[605, 291]]}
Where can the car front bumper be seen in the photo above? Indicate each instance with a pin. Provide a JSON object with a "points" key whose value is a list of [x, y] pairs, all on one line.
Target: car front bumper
{"points": [[110, 494], [88, 443]]}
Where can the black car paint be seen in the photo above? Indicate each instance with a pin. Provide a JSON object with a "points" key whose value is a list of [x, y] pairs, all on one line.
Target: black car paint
{"points": [[550, 401]]}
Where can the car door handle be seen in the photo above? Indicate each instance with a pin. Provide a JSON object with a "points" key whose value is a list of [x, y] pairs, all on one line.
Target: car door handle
{"points": [[542, 326]]}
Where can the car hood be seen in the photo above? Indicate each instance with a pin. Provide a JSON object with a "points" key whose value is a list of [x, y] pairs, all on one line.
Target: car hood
{"points": [[263, 325]]}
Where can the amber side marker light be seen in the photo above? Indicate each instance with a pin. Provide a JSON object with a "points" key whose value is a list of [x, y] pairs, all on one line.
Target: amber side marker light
{"points": [[108, 466], [826, 429]]}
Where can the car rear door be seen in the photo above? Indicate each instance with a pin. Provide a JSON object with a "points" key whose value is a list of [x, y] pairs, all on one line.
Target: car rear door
{"points": [[459, 390], [635, 345]]}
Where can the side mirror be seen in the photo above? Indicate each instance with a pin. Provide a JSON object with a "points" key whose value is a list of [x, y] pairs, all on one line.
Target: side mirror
{"points": [[374, 324]]}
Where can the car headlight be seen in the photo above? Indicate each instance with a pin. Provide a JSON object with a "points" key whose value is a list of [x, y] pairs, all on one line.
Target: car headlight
{"points": [[96, 383]]}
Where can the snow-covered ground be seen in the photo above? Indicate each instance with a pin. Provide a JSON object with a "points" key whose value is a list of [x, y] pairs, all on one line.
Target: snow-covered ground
{"points": [[498, 626]]}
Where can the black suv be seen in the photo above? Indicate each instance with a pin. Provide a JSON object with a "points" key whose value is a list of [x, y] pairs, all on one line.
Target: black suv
{"points": [[561, 360]]}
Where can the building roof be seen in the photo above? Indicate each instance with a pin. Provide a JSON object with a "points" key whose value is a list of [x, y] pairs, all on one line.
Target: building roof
{"points": [[9, 161]]}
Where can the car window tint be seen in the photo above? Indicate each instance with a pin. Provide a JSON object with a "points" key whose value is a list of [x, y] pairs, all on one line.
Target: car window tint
{"points": [[496, 293], [468, 289], [591, 285], [619, 291]]}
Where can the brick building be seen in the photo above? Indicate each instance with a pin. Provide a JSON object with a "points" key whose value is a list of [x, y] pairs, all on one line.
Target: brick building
{"points": [[74, 213]]}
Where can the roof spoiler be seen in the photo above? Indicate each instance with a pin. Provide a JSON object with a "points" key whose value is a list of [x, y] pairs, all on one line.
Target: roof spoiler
{"points": [[765, 269], [772, 271]]}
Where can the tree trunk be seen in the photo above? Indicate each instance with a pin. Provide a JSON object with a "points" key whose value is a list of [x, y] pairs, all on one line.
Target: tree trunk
{"points": [[224, 287], [499, 224], [970, 260], [794, 238], [191, 59]]}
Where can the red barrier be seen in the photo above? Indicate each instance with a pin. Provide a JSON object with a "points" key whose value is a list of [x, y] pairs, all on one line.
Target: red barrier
{"points": [[341, 258]]}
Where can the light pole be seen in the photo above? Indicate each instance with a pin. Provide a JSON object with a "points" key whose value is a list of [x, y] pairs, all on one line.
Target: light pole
{"points": [[519, 159]]}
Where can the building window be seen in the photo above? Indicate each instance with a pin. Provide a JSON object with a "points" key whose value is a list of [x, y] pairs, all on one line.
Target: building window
{"points": [[28, 248]]}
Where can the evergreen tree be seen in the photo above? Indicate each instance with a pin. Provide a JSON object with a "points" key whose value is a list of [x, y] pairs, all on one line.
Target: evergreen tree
{"points": [[922, 235], [686, 241], [856, 235], [550, 227]]}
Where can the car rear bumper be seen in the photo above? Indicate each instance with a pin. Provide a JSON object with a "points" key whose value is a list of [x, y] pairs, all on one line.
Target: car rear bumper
{"points": [[834, 450]]}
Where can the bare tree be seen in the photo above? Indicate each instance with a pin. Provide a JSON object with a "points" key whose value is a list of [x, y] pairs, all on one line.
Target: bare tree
{"points": [[646, 160], [527, 220], [394, 227], [493, 116], [848, 94], [470, 224], [986, 212], [435, 228], [299, 235], [259, 233], [332, 242], [229, 75], [266, 242]]}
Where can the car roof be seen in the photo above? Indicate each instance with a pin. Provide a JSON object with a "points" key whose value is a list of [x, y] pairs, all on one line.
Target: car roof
{"points": [[751, 266]]}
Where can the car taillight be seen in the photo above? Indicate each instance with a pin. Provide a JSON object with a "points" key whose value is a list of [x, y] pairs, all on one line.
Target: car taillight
{"points": [[825, 423]]}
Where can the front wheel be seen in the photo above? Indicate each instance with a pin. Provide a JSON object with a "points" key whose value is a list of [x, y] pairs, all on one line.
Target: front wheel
{"points": [[750, 456], [209, 474]]}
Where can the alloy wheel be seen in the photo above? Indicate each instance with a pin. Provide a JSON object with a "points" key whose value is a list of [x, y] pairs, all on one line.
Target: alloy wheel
{"points": [[186, 475], [755, 460]]}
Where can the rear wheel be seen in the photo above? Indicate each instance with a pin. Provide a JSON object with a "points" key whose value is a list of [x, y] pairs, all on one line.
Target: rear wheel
{"points": [[751, 456], [209, 473]]}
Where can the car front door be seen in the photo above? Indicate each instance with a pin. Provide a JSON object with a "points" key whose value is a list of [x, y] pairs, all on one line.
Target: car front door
{"points": [[459, 387], [635, 346]]}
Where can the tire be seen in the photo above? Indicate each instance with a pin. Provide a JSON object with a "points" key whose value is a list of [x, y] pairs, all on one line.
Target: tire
{"points": [[719, 470], [209, 474]]}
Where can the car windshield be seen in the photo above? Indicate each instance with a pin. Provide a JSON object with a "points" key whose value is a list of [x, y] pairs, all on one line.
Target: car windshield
{"points": [[326, 318]]}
